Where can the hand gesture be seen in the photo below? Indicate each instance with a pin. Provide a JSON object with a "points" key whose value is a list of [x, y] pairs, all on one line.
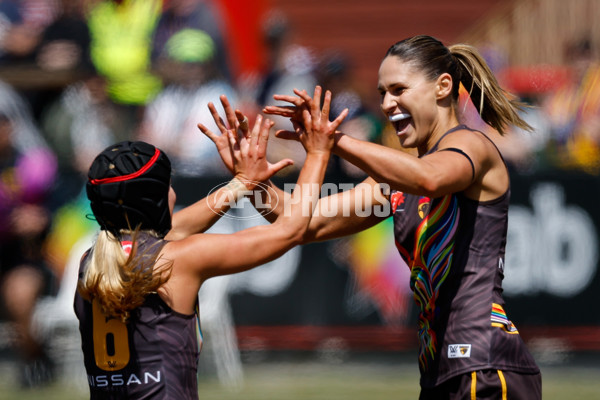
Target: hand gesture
{"points": [[236, 120], [311, 122], [246, 154]]}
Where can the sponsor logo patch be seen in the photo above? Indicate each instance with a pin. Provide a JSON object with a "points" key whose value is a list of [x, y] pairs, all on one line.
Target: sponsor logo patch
{"points": [[459, 351], [397, 199]]}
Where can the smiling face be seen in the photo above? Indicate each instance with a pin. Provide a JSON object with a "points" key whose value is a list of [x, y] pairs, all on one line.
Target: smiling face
{"points": [[409, 101]]}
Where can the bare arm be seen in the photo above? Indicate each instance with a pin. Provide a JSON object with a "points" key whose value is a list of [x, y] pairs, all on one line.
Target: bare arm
{"points": [[210, 255], [340, 214], [202, 256], [215, 254], [203, 214], [323, 225], [432, 175], [479, 172], [253, 168]]}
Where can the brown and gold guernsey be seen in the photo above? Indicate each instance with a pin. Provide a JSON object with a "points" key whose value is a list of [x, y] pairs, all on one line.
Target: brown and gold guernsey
{"points": [[454, 247], [153, 356]]}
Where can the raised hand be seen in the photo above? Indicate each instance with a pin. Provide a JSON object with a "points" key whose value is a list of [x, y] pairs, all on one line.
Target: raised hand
{"points": [[306, 113], [236, 121], [293, 112], [249, 154], [252, 163]]}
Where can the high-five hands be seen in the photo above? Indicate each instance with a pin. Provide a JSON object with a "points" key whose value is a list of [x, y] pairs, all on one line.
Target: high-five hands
{"points": [[243, 151], [243, 154], [307, 116]]}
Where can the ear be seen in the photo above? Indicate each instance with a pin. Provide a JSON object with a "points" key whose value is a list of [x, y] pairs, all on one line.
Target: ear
{"points": [[443, 86]]}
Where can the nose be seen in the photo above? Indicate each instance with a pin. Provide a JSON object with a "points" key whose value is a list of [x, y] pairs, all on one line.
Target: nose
{"points": [[387, 103]]}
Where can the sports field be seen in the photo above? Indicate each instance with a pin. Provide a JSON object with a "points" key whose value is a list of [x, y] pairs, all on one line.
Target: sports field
{"points": [[364, 379]]}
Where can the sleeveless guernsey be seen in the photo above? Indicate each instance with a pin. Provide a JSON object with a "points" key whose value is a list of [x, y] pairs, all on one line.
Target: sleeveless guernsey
{"points": [[153, 356], [454, 247]]}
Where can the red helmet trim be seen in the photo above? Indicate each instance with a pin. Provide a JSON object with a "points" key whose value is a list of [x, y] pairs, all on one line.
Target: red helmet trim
{"points": [[128, 176]]}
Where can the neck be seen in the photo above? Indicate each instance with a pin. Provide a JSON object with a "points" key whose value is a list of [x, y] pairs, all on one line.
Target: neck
{"points": [[446, 120]]}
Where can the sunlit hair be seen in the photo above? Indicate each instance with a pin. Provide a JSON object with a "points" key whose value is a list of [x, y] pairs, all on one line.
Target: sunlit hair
{"points": [[465, 65], [121, 282]]}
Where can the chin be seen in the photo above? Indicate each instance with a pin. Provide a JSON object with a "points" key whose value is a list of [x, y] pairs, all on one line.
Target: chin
{"points": [[406, 143]]}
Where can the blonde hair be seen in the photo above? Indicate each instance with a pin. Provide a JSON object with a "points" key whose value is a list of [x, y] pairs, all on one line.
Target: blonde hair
{"points": [[496, 107], [119, 281], [464, 63]]}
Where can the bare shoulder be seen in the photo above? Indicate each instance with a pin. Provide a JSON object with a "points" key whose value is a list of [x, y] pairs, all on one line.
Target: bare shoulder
{"points": [[476, 144], [491, 175], [180, 291], [189, 246]]}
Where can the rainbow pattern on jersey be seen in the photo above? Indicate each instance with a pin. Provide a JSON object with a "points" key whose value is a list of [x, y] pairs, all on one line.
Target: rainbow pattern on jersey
{"points": [[500, 320], [199, 335], [430, 265]]}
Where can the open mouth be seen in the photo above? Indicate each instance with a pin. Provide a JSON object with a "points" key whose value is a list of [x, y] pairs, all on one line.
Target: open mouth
{"points": [[400, 121]]}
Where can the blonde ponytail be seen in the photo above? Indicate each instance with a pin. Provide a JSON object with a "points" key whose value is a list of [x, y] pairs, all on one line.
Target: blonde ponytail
{"points": [[496, 107], [118, 281], [464, 63]]}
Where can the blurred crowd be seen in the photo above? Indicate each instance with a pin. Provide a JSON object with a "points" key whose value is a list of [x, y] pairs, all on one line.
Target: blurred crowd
{"points": [[78, 75], [562, 106]]}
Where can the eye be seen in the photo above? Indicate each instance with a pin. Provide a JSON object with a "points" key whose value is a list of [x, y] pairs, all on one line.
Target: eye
{"points": [[397, 91]]}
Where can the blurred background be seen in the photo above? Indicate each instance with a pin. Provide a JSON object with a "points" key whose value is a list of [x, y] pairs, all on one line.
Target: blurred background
{"points": [[327, 320]]}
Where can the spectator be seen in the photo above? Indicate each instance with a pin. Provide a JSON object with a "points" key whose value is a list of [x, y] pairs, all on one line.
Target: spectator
{"points": [[193, 14], [192, 80], [290, 66], [574, 111], [26, 178], [121, 45], [83, 121], [65, 43], [21, 25], [60, 57]]}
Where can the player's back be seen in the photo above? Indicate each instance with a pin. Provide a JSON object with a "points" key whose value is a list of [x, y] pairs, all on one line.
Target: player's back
{"points": [[152, 356]]}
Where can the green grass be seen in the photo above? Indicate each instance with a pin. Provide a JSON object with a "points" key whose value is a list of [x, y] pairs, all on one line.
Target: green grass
{"points": [[302, 380], [571, 383]]}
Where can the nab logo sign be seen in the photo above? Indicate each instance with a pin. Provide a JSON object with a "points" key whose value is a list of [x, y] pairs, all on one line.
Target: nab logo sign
{"points": [[459, 351]]}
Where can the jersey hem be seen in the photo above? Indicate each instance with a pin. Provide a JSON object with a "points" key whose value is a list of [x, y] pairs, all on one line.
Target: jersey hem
{"points": [[443, 378]]}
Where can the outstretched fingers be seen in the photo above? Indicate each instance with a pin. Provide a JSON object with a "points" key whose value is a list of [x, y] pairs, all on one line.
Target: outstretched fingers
{"points": [[217, 118], [257, 130], [303, 98], [284, 111], [288, 111], [340, 118], [262, 138], [326, 106], [286, 135], [235, 118], [229, 113], [243, 123], [316, 100], [233, 144], [210, 134], [261, 148], [290, 99]]}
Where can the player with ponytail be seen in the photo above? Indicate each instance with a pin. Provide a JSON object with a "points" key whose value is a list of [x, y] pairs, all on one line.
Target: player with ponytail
{"points": [[449, 201]]}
